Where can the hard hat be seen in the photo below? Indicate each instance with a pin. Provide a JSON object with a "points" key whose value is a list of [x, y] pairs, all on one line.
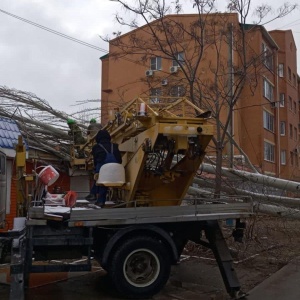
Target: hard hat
{"points": [[71, 121], [93, 120]]}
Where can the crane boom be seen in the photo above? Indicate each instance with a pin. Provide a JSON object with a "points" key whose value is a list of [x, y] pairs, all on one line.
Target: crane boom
{"points": [[151, 136]]}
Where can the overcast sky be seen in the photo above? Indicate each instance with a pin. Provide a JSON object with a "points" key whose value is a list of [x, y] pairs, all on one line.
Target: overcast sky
{"points": [[61, 71]]}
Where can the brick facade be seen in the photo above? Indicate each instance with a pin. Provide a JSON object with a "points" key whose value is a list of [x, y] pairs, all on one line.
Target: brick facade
{"points": [[258, 117]]}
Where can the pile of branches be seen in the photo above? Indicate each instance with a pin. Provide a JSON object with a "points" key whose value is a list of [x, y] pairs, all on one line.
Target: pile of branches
{"points": [[42, 126]]}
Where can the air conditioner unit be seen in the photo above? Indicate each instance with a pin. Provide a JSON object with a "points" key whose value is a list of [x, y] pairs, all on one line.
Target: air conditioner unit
{"points": [[174, 69], [164, 82], [149, 73]]}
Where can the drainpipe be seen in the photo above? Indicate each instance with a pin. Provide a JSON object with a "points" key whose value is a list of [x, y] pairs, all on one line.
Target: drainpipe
{"points": [[277, 110]]}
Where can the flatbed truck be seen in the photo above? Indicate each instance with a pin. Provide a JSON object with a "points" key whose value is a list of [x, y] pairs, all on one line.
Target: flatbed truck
{"points": [[136, 245], [138, 239]]}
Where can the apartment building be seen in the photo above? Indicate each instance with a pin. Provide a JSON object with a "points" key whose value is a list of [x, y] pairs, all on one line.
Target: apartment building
{"points": [[265, 117], [287, 104]]}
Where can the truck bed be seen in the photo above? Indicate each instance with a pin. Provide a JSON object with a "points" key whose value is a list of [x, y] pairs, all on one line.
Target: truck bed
{"points": [[145, 215]]}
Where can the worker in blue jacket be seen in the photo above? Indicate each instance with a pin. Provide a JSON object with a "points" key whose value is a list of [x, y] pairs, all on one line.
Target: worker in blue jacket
{"points": [[104, 151]]}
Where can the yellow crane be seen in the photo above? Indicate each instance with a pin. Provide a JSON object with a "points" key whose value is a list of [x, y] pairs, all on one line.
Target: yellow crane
{"points": [[162, 145]]}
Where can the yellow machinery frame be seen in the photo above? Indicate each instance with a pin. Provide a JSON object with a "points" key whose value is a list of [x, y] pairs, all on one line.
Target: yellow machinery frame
{"points": [[162, 143]]}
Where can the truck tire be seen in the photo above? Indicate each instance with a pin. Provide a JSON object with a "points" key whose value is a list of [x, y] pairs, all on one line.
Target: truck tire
{"points": [[140, 267]]}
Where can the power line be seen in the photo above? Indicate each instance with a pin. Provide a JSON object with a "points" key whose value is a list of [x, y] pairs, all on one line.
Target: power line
{"points": [[71, 39], [55, 32], [66, 36], [290, 24]]}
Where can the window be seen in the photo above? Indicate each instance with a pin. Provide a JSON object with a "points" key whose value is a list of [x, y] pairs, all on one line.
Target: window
{"points": [[155, 95], [268, 121], [295, 133], [280, 70], [282, 99], [180, 58], [269, 152], [294, 79], [283, 157], [177, 91], [294, 107], [282, 128], [267, 56], [291, 131], [268, 90], [289, 73], [155, 63]]}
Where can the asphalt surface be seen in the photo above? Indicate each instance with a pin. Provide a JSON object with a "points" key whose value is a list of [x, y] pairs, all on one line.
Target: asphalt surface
{"points": [[189, 280], [284, 284]]}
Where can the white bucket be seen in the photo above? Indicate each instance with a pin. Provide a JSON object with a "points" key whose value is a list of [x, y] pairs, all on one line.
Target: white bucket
{"points": [[48, 175]]}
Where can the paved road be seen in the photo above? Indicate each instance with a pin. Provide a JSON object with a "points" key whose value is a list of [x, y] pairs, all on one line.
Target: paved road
{"points": [[283, 285], [194, 279], [189, 280]]}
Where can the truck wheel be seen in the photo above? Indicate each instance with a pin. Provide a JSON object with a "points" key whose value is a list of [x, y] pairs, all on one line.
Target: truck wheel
{"points": [[140, 267]]}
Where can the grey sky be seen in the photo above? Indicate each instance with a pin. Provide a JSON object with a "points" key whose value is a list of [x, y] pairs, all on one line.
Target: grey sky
{"points": [[56, 69]]}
